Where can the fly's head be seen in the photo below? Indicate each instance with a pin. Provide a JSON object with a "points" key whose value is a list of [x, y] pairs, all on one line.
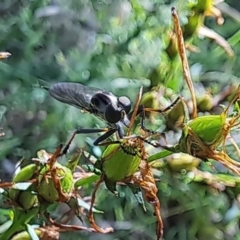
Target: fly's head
{"points": [[114, 109]]}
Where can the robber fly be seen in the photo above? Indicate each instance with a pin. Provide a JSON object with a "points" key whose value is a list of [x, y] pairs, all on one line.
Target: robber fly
{"points": [[115, 111], [103, 104]]}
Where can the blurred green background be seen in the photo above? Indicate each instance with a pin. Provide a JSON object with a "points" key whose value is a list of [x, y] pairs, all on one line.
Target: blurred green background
{"points": [[117, 46]]}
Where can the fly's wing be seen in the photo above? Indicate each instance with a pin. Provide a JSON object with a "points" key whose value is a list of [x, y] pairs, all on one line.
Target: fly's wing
{"points": [[74, 94]]}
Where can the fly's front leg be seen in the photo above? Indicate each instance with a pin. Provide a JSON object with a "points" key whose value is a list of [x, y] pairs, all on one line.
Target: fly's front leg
{"points": [[163, 111], [107, 134], [141, 111], [120, 132]]}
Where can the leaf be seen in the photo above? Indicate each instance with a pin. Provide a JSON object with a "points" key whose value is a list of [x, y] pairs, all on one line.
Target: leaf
{"points": [[22, 185], [82, 203], [159, 155], [5, 226], [138, 194], [86, 181], [93, 168], [207, 32], [32, 232]]}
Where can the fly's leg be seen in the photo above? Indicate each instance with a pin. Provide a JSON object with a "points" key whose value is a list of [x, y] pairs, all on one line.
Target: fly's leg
{"points": [[142, 111], [144, 139], [106, 135], [97, 142]]}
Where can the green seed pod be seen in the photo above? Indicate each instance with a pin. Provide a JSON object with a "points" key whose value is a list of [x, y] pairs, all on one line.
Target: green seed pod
{"points": [[172, 48], [205, 102], [25, 198], [210, 129], [118, 164], [26, 173], [174, 119], [58, 188], [180, 161]]}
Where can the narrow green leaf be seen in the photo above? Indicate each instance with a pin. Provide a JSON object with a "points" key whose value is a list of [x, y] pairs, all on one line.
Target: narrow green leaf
{"points": [[82, 203], [5, 226], [86, 181], [92, 168], [159, 155], [32, 232], [22, 185], [138, 194]]}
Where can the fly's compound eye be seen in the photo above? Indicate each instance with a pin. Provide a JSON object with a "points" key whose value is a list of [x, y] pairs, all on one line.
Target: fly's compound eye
{"points": [[113, 114], [125, 103]]}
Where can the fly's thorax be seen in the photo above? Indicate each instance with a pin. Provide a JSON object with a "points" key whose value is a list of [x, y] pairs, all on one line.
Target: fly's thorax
{"points": [[112, 108], [101, 100]]}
